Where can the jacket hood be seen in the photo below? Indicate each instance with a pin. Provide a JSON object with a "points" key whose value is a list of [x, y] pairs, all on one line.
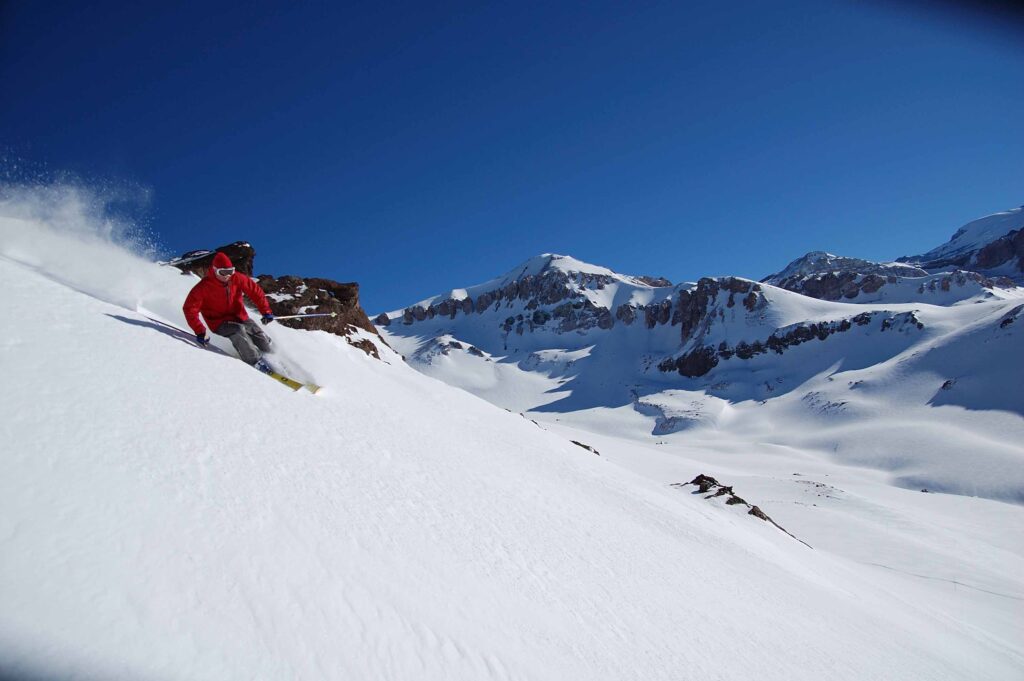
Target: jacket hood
{"points": [[219, 260]]}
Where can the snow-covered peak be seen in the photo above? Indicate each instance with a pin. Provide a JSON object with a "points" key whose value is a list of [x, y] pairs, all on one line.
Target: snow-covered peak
{"points": [[821, 262], [975, 235], [546, 262], [576, 270], [822, 275], [577, 276]]}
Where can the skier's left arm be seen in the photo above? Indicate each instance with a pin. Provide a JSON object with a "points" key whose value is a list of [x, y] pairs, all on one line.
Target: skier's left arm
{"points": [[254, 293]]}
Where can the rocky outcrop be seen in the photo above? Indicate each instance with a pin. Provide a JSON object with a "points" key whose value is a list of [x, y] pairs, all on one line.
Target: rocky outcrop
{"points": [[702, 359], [586, 447], [692, 306], [692, 364], [1001, 251], [197, 262], [294, 295], [1011, 316], [707, 485], [656, 282]]}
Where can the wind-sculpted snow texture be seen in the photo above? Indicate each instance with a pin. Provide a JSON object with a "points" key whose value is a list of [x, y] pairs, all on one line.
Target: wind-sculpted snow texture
{"points": [[166, 512]]}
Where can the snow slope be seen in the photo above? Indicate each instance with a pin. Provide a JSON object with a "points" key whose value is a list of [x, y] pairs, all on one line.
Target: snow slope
{"points": [[168, 513], [975, 235]]}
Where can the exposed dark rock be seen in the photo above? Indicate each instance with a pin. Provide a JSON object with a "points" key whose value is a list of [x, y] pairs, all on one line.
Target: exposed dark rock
{"points": [[758, 513], [241, 253], [871, 283], [657, 313], [692, 307], [1011, 316], [483, 302], [703, 482], [701, 360], [692, 364], [706, 484], [586, 447], [294, 295], [625, 314]]}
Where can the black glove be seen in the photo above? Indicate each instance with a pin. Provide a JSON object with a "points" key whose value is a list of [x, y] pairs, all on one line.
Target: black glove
{"points": [[202, 340], [266, 319]]}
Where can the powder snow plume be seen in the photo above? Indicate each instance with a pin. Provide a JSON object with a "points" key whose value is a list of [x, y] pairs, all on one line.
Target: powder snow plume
{"points": [[74, 234]]}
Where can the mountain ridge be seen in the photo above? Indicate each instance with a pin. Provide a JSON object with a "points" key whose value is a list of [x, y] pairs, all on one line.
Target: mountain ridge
{"points": [[557, 343]]}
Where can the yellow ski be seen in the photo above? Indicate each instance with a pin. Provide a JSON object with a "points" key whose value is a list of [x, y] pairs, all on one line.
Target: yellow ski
{"points": [[291, 383]]}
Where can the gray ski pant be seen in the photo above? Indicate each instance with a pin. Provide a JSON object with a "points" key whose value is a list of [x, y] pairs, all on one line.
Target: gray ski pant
{"points": [[248, 339]]}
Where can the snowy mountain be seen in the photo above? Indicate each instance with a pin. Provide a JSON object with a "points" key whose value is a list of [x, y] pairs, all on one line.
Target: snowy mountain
{"points": [[559, 337], [166, 512], [590, 293], [992, 245], [982, 257], [820, 262], [830, 277]]}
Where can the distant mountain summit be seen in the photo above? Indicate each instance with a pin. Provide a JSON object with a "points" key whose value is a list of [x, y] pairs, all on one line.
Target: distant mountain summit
{"points": [[832, 277], [820, 262], [992, 246], [553, 291], [558, 334], [826, 276], [983, 255]]}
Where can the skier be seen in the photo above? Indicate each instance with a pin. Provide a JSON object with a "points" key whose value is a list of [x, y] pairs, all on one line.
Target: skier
{"points": [[219, 298]]}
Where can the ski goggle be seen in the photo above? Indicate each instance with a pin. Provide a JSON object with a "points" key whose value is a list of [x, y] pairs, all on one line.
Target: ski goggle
{"points": [[224, 271]]}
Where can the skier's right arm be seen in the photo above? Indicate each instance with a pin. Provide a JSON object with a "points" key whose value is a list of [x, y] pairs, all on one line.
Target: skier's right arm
{"points": [[193, 304]]}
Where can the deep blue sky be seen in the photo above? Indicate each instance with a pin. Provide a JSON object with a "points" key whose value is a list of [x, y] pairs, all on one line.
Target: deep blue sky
{"points": [[417, 148]]}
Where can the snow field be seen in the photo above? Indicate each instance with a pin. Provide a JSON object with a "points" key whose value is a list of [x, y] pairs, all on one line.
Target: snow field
{"points": [[167, 512]]}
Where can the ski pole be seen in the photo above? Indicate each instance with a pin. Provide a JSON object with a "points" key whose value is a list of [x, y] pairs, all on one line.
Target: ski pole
{"points": [[309, 314]]}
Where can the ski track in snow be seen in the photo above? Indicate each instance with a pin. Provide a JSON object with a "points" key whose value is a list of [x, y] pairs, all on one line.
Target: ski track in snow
{"points": [[167, 512]]}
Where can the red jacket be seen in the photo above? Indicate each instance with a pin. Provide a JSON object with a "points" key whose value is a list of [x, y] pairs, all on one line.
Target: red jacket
{"points": [[219, 302]]}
